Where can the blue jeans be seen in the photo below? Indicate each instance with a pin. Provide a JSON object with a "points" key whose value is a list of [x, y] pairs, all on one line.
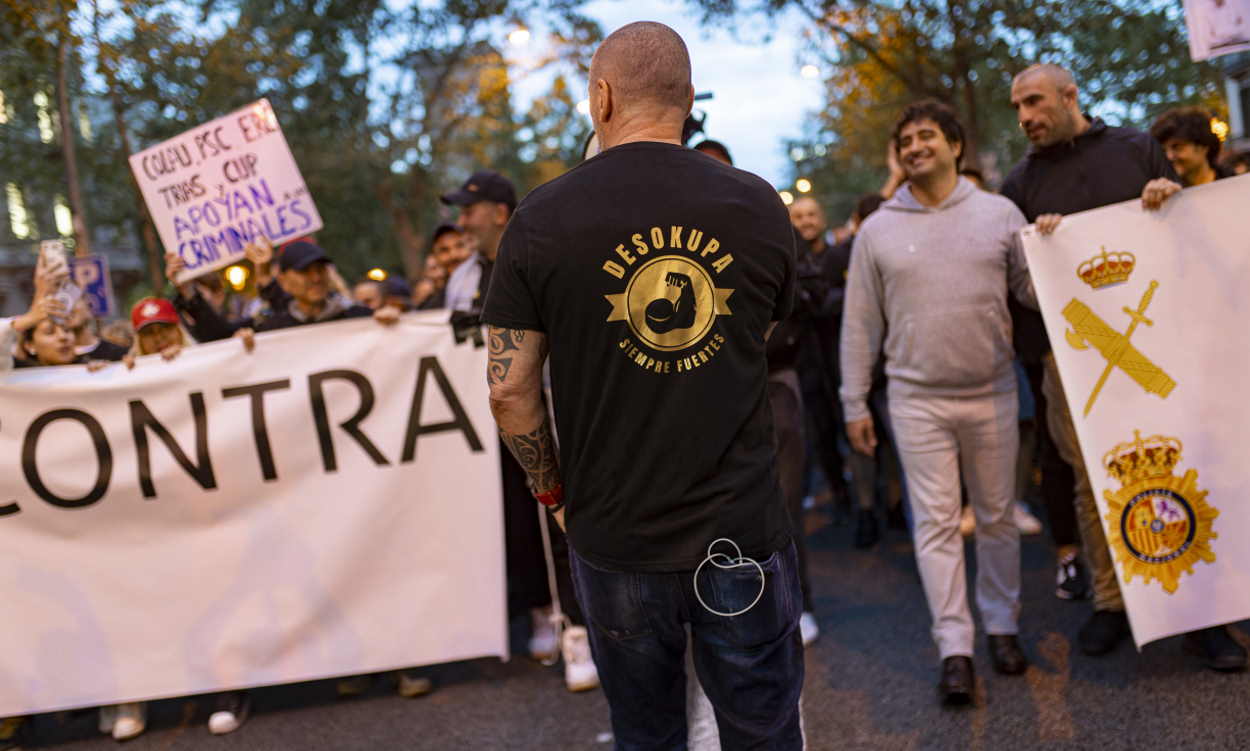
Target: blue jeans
{"points": [[750, 665]]}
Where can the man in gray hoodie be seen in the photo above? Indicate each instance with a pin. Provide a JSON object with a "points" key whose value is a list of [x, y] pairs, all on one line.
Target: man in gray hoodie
{"points": [[929, 278]]}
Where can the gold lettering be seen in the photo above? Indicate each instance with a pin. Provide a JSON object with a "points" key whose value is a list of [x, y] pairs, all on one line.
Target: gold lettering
{"points": [[624, 343], [666, 364], [625, 256], [694, 240], [674, 240], [703, 356], [712, 246], [615, 269], [633, 352], [639, 245], [657, 237], [720, 263]]}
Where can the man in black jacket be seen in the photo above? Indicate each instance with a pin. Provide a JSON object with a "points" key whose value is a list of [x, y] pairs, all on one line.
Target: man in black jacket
{"points": [[1079, 163]]}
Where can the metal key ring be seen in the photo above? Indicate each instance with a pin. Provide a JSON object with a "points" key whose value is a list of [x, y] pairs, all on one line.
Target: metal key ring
{"points": [[731, 563]]}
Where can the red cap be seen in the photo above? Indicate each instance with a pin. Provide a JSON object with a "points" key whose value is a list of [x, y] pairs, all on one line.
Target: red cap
{"points": [[152, 310]]}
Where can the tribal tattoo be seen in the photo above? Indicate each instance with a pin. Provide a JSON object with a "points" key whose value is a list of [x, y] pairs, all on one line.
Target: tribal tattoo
{"points": [[536, 453], [503, 345]]}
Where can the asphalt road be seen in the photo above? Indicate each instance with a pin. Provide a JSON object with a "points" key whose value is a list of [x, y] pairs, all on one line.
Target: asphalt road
{"points": [[870, 685]]}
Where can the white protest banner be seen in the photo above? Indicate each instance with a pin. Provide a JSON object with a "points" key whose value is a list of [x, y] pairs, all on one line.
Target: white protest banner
{"points": [[218, 187], [1217, 27], [1147, 313], [328, 505]]}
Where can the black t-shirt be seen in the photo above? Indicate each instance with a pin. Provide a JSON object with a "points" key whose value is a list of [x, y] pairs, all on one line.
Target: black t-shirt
{"points": [[655, 273]]}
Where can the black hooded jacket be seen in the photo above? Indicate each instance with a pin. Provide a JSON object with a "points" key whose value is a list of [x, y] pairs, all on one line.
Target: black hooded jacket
{"points": [[1102, 166]]}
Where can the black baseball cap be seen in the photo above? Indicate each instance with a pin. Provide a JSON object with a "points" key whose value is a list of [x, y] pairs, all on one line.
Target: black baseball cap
{"points": [[485, 185], [396, 286], [301, 254]]}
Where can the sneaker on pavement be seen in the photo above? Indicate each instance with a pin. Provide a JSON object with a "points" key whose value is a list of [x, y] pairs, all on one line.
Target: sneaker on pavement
{"points": [[542, 644], [1219, 650], [129, 721], [580, 673], [9, 726], [413, 684], [1071, 582], [1103, 631], [967, 522], [352, 686], [1024, 519], [230, 713], [808, 627]]}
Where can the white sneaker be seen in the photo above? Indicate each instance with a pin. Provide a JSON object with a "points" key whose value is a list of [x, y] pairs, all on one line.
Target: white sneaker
{"points": [[1024, 519], [231, 711], [808, 628], [543, 646], [130, 721], [580, 673], [412, 684], [967, 522]]}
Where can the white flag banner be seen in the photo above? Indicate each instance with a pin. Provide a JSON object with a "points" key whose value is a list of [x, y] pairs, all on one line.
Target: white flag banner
{"points": [[224, 184], [1147, 314], [1217, 27], [327, 505]]}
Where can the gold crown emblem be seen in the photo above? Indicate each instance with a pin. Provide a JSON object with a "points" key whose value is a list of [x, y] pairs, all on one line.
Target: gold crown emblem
{"points": [[1107, 268], [1143, 458]]}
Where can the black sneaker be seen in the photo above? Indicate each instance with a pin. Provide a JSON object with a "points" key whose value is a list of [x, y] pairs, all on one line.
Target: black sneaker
{"points": [[11, 732], [866, 534], [1103, 631], [1071, 581], [1219, 650]]}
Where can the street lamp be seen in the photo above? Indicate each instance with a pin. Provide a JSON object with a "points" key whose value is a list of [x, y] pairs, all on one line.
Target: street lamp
{"points": [[377, 275], [237, 277], [1219, 128], [787, 197], [519, 37], [803, 185]]}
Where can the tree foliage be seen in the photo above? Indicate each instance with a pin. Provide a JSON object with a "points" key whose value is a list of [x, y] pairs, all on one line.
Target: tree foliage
{"points": [[384, 105], [1130, 59]]}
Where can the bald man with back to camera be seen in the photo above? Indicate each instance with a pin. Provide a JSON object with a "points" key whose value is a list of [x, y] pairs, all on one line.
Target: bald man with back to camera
{"points": [[652, 276]]}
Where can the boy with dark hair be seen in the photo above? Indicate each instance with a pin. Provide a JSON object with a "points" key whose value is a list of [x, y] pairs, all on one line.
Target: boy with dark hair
{"points": [[1189, 144]]}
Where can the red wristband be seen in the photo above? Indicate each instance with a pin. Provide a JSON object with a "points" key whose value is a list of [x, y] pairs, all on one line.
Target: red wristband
{"points": [[551, 498]]}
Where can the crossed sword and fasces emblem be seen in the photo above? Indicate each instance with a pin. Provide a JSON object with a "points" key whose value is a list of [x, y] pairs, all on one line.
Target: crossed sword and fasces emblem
{"points": [[1090, 330]]}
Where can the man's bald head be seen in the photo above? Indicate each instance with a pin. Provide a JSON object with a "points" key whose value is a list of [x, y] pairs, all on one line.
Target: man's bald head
{"points": [[809, 221], [640, 79], [1045, 98], [1057, 75]]}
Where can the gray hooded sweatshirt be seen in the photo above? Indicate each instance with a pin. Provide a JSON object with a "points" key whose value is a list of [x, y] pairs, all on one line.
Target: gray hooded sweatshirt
{"points": [[933, 284]]}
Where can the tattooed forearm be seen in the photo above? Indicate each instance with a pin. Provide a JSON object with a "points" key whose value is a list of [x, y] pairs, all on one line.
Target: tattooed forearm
{"points": [[536, 453], [503, 346], [514, 373]]}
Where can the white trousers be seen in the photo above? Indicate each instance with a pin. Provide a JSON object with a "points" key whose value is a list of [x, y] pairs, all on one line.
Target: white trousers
{"points": [[938, 437]]}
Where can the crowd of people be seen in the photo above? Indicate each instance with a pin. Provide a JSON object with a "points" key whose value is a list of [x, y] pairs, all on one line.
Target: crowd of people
{"points": [[924, 398]]}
